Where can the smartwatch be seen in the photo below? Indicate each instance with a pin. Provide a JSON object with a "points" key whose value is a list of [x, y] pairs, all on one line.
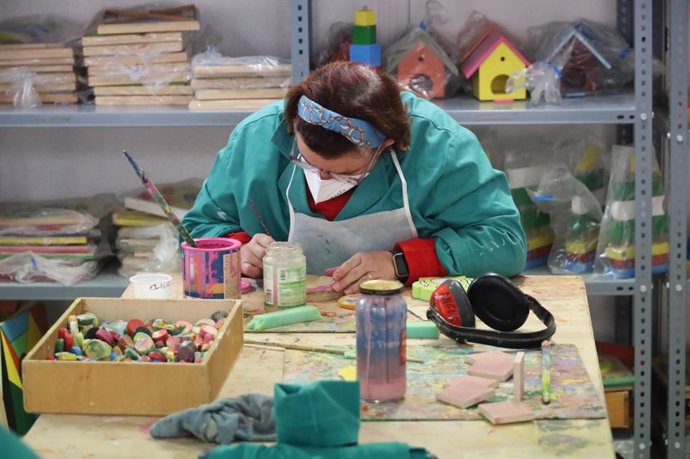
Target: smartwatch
{"points": [[400, 266]]}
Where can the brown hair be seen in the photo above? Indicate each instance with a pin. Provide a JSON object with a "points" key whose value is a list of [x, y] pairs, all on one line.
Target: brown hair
{"points": [[352, 90]]}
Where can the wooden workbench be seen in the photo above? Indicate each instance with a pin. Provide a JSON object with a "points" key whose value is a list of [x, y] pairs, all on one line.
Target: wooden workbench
{"points": [[70, 436]]}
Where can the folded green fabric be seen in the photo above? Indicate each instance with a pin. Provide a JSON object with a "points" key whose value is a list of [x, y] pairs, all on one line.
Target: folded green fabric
{"points": [[281, 451], [324, 413], [285, 317]]}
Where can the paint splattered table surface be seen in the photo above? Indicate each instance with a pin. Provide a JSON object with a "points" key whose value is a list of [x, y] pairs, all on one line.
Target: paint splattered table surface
{"points": [[259, 367]]}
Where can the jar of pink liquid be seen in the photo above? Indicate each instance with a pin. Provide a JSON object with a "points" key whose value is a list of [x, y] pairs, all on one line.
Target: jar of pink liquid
{"points": [[381, 315]]}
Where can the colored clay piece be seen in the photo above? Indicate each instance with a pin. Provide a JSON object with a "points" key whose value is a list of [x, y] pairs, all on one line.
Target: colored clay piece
{"points": [[105, 335], [160, 336], [185, 353], [495, 364], [186, 326], [132, 326], [478, 380], [59, 345], [285, 317], [507, 412], [348, 302], [465, 395], [519, 376], [245, 286], [143, 343], [218, 315], [422, 330], [65, 356], [87, 319], [132, 353], [146, 330], [90, 333], [96, 349]]}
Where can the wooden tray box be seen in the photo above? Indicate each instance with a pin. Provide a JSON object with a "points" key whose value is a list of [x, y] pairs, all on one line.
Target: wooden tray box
{"points": [[129, 387]]}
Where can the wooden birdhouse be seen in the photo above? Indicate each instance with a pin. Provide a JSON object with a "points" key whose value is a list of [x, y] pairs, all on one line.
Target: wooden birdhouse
{"points": [[489, 62], [422, 67], [579, 61]]}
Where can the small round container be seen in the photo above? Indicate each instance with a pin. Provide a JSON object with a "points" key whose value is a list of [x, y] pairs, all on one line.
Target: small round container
{"points": [[381, 316], [153, 285], [285, 275]]}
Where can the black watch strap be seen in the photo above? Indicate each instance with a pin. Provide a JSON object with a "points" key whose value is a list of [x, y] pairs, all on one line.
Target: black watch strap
{"points": [[402, 272]]}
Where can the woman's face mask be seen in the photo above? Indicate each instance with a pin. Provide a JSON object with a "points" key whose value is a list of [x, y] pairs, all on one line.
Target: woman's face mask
{"points": [[332, 184]]}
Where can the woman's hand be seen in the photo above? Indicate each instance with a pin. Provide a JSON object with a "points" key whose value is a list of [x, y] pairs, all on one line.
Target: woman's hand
{"points": [[252, 254], [363, 266]]}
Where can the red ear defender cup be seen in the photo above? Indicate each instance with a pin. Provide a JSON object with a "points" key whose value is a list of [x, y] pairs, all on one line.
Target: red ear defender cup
{"points": [[451, 302]]}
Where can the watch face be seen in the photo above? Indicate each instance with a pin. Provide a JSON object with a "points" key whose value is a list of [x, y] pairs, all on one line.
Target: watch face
{"points": [[401, 270]]}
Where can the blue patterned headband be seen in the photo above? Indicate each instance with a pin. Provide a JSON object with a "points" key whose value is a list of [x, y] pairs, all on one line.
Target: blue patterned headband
{"points": [[359, 132]]}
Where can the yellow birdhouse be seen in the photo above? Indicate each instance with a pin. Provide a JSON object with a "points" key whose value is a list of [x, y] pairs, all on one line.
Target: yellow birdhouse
{"points": [[489, 62]]}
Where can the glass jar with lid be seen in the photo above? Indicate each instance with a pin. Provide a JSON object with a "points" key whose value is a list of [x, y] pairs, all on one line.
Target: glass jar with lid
{"points": [[381, 315], [285, 275]]}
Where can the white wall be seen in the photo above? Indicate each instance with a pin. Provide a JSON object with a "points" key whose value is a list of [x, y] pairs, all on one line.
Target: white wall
{"points": [[62, 162]]}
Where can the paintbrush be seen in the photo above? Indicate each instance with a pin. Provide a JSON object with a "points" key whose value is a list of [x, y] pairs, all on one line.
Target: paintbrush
{"points": [[258, 217], [310, 348], [160, 200]]}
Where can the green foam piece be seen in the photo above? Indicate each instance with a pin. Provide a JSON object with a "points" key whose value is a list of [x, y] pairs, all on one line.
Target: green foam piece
{"points": [[624, 232], [364, 35], [593, 180], [422, 330], [520, 197], [625, 190], [289, 316], [533, 218]]}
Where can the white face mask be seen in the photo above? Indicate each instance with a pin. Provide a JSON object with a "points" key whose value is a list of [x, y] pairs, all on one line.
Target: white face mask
{"points": [[325, 189]]}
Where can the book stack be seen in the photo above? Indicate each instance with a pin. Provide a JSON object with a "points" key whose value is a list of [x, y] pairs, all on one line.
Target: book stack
{"points": [[36, 63], [249, 83], [146, 240], [141, 56], [40, 244], [145, 243]]}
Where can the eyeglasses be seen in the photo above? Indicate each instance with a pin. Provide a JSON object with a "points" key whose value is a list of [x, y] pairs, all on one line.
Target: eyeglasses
{"points": [[302, 163]]}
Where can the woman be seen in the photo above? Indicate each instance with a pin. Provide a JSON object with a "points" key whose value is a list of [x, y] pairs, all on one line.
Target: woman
{"points": [[372, 182]]}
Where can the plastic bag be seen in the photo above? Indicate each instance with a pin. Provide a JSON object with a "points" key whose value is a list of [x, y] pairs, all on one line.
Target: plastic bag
{"points": [[269, 66], [148, 249], [575, 215], [541, 79], [419, 61], [29, 220], [616, 246], [39, 28], [29, 267], [337, 46], [586, 57], [524, 167]]}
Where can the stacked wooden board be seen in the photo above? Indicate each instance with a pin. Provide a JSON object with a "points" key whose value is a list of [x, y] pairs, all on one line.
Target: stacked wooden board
{"points": [[141, 57], [222, 83], [48, 68]]}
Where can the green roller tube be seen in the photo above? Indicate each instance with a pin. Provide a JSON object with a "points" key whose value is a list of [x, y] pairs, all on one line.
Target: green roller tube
{"points": [[284, 317], [422, 330]]}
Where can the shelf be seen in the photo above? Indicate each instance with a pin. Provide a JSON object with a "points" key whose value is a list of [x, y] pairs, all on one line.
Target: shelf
{"points": [[93, 116], [596, 285], [611, 109], [107, 284], [614, 109]]}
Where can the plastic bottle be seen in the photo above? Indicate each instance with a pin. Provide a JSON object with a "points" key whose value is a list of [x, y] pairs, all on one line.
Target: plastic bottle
{"points": [[285, 275], [381, 315]]}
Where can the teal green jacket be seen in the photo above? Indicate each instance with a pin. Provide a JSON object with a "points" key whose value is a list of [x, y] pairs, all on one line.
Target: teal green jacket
{"points": [[455, 196]]}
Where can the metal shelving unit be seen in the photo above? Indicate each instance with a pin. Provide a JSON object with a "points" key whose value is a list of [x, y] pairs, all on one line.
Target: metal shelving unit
{"points": [[632, 110], [677, 86]]}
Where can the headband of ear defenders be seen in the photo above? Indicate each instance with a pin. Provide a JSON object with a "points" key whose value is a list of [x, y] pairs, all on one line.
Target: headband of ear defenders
{"points": [[498, 303]]}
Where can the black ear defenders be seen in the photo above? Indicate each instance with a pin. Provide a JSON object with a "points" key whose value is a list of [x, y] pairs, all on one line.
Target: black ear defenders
{"points": [[498, 303]]}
